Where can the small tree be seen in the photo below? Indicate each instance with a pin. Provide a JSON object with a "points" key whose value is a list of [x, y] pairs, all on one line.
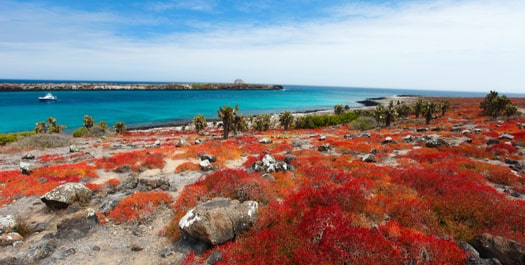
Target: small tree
{"points": [[262, 122], [494, 105], [41, 127], [119, 127], [229, 116], [403, 110], [444, 106], [286, 119], [88, 122], [428, 110], [339, 109], [53, 127], [200, 122], [418, 107]]}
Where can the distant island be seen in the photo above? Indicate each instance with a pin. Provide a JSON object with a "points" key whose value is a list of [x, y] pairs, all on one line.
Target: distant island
{"points": [[64, 86]]}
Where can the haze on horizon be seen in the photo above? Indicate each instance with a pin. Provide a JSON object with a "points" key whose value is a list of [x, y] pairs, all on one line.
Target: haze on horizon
{"points": [[438, 45]]}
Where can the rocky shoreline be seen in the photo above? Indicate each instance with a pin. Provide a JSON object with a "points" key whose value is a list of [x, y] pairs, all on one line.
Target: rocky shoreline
{"points": [[88, 86]]}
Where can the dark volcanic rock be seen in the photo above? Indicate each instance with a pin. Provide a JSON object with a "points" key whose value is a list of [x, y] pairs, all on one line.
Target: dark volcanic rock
{"points": [[508, 252]]}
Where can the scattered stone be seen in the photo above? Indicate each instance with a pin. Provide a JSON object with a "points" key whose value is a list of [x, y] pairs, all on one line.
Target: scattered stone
{"points": [[492, 142], [7, 223], [64, 195], [206, 165], [431, 144], [219, 220], [422, 130], [26, 167], [409, 139], [10, 238], [182, 142], [511, 161], [268, 177], [73, 148], [265, 141], [157, 143], [466, 132], [325, 148], [506, 136], [136, 247], [477, 131], [289, 158], [456, 128], [347, 136], [387, 140], [28, 156], [505, 250], [515, 194], [438, 129], [370, 158], [151, 183], [322, 138], [366, 135], [123, 169], [198, 141], [208, 157], [521, 125], [95, 248]]}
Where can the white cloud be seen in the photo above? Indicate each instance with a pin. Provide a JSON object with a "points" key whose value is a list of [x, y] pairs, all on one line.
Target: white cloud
{"points": [[439, 45]]}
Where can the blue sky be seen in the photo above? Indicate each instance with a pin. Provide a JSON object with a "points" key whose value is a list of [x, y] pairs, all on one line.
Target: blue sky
{"points": [[450, 45]]}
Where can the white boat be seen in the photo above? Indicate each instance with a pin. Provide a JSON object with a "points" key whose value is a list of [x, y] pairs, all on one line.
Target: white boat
{"points": [[47, 98]]}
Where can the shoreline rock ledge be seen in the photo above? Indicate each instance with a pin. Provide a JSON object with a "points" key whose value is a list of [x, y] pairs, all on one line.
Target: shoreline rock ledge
{"points": [[219, 220]]}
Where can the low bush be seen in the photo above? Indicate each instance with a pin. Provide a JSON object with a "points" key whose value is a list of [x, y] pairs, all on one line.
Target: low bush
{"points": [[42, 141], [363, 123], [6, 138]]}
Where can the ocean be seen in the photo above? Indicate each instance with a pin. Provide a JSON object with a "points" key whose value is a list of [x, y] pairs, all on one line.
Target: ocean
{"points": [[21, 110]]}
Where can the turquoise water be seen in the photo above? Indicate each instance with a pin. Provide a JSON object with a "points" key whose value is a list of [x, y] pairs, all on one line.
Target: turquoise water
{"points": [[21, 110]]}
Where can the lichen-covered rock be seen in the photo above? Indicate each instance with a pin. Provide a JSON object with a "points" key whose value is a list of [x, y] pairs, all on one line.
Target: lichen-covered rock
{"points": [[370, 158], [508, 252], [7, 223], [265, 141], [64, 195], [204, 156], [219, 220]]}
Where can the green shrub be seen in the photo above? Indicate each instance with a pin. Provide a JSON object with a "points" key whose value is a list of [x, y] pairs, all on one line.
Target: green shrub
{"points": [[363, 123], [318, 121], [6, 138], [81, 132]]}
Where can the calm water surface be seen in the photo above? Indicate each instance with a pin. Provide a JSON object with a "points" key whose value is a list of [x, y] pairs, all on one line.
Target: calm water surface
{"points": [[21, 110]]}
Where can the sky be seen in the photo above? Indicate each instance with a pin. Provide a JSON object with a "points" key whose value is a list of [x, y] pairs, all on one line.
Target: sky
{"points": [[438, 45]]}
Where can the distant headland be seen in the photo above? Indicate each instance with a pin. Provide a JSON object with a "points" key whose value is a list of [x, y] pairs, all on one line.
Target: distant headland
{"points": [[97, 86]]}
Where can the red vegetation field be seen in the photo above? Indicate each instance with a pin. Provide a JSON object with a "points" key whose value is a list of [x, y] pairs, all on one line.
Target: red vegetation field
{"points": [[412, 206]]}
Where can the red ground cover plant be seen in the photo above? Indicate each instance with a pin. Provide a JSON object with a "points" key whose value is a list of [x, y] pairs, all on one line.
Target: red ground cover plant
{"points": [[187, 166], [136, 159], [41, 180], [138, 206]]}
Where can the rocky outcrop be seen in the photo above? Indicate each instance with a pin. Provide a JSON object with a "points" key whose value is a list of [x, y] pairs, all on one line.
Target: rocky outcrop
{"points": [[269, 164], [219, 220], [508, 252], [63, 196], [10, 238]]}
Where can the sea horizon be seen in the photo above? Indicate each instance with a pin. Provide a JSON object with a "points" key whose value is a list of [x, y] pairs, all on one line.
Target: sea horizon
{"points": [[160, 108]]}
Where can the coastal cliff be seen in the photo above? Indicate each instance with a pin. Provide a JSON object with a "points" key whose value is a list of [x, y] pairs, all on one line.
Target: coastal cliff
{"points": [[133, 86]]}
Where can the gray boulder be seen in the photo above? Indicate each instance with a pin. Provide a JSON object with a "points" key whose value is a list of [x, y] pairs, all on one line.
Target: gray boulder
{"points": [[506, 136], [218, 220], [508, 252], [64, 195], [26, 167]]}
